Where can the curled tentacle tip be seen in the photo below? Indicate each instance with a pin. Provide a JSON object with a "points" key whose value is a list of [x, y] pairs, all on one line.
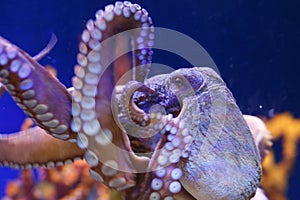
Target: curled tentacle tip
{"points": [[47, 49]]}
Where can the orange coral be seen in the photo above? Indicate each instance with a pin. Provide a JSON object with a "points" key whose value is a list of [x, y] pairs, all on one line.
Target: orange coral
{"points": [[66, 182], [275, 177]]}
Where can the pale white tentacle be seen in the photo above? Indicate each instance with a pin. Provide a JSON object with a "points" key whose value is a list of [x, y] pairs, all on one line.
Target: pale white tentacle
{"points": [[94, 84]]}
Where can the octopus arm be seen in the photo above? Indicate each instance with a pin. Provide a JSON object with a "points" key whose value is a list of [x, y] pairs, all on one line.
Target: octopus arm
{"points": [[36, 91], [108, 149], [47, 49], [35, 148]]}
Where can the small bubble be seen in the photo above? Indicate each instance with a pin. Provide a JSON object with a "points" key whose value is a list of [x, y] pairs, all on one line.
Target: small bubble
{"points": [[271, 112], [260, 106]]}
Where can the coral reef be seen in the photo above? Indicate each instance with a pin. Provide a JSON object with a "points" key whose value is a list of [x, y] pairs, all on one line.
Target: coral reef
{"points": [[66, 182]]}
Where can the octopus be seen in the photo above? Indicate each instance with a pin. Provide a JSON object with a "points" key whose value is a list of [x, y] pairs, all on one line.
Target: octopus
{"points": [[172, 136]]}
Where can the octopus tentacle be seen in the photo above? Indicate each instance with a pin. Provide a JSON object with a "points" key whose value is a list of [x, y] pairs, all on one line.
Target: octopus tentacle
{"points": [[35, 91], [93, 119], [37, 57], [164, 168], [47, 49], [35, 148], [134, 120]]}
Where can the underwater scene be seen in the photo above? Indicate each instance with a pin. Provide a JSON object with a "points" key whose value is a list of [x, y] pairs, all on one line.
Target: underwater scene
{"points": [[215, 116]]}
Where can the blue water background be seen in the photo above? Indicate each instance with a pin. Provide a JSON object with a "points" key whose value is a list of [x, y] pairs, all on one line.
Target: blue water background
{"points": [[255, 44]]}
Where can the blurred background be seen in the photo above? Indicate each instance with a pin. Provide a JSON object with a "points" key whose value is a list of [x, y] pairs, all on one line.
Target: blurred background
{"points": [[255, 44]]}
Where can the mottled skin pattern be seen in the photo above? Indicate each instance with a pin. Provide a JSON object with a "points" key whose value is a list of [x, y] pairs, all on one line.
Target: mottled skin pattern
{"points": [[205, 101], [198, 137]]}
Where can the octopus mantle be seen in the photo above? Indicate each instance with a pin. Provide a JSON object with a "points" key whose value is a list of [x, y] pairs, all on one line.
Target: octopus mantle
{"points": [[172, 136]]}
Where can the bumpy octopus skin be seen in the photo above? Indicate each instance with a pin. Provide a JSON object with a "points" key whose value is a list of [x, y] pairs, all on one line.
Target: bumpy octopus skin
{"points": [[200, 146], [208, 145]]}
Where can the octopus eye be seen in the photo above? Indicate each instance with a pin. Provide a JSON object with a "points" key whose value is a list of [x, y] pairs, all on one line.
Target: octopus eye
{"points": [[178, 81]]}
